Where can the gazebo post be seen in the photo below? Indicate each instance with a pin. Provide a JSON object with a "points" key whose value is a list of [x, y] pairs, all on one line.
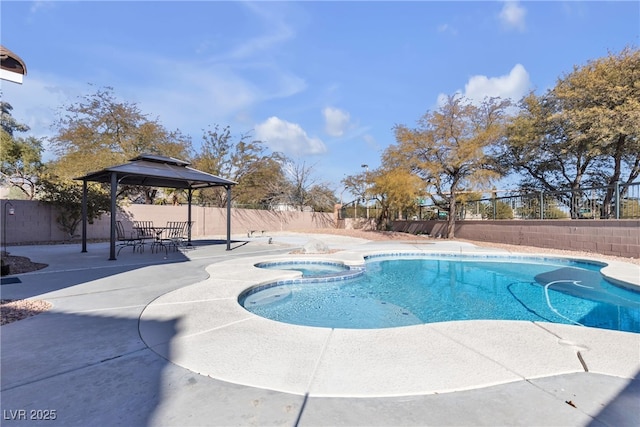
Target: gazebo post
{"points": [[114, 193], [189, 197], [84, 215], [228, 217]]}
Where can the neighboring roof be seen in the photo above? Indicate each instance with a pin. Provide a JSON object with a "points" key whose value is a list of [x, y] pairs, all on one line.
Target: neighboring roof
{"points": [[12, 67], [158, 171]]}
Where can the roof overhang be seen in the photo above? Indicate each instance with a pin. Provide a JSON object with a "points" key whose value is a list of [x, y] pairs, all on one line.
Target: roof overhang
{"points": [[12, 67]]}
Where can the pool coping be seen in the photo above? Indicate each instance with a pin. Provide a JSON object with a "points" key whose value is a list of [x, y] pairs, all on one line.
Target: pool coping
{"points": [[216, 337]]}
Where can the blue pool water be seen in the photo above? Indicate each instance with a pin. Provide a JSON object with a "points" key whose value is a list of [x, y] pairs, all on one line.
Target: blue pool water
{"points": [[397, 291], [307, 268]]}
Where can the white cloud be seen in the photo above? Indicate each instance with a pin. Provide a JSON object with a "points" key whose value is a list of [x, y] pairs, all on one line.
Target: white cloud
{"points": [[288, 138], [36, 102], [186, 94], [183, 92], [513, 15], [512, 86], [336, 121]]}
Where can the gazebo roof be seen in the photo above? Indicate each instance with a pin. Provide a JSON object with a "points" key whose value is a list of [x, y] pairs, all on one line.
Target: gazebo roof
{"points": [[158, 171]]}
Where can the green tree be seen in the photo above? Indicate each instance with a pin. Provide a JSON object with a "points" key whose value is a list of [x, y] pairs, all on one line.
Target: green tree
{"points": [[21, 163], [21, 158], [8, 123], [453, 149], [99, 131], [66, 197]]}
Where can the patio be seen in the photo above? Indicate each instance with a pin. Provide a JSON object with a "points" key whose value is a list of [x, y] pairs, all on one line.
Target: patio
{"points": [[86, 360]]}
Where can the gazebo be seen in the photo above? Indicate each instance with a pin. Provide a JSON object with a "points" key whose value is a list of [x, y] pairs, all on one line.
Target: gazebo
{"points": [[153, 171]]}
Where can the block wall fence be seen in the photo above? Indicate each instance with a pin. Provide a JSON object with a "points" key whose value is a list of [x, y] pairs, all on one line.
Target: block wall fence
{"points": [[34, 223], [607, 237]]}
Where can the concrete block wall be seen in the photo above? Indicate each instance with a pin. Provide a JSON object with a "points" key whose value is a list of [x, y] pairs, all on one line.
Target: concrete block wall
{"points": [[31, 221], [607, 237], [34, 223]]}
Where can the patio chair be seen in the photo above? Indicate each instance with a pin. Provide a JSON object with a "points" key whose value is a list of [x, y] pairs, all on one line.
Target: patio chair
{"points": [[147, 232], [131, 240], [175, 234]]}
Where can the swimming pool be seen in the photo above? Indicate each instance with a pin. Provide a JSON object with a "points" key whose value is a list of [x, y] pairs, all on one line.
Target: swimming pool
{"points": [[308, 268], [404, 290]]}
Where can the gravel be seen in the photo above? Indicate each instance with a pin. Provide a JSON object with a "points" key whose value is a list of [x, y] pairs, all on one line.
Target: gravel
{"points": [[14, 310]]}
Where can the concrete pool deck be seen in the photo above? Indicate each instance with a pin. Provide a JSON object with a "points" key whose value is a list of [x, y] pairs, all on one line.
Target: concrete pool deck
{"points": [[155, 340]]}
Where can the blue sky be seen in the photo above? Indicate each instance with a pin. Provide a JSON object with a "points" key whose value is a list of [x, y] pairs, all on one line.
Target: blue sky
{"points": [[323, 82]]}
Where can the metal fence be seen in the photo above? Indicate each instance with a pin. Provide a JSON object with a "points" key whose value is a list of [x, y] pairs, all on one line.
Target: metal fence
{"points": [[359, 208], [620, 201]]}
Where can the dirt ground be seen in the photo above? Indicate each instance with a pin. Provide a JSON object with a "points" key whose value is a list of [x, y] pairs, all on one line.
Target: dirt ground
{"points": [[391, 235]]}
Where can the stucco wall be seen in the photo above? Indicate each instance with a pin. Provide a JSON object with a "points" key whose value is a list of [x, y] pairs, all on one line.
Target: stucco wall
{"points": [[36, 223], [610, 237]]}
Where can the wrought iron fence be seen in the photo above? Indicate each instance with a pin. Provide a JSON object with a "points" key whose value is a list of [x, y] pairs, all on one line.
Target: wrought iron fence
{"points": [[359, 208], [619, 201]]}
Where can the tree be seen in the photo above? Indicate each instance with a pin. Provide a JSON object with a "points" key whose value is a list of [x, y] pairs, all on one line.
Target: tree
{"points": [[21, 163], [304, 185], [99, 131], [265, 186], [21, 158], [630, 208], [585, 130], [358, 184], [395, 189], [243, 160], [322, 198], [8, 122], [601, 101], [502, 210], [66, 197], [453, 149]]}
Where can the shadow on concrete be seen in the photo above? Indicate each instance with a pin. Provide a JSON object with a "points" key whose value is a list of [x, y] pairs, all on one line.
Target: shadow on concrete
{"points": [[624, 409], [85, 359], [92, 369], [68, 266], [79, 369]]}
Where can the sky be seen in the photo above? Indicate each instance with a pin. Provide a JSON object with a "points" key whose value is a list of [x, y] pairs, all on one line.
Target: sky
{"points": [[322, 82]]}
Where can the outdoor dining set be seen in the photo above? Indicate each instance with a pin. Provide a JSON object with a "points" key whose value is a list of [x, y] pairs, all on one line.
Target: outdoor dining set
{"points": [[172, 236]]}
